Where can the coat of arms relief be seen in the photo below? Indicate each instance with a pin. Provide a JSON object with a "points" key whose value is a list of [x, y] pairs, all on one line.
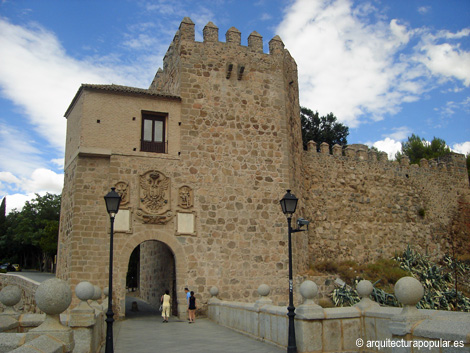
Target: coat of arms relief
{"points": [[122, 188], [154, 198], [185, 197]]}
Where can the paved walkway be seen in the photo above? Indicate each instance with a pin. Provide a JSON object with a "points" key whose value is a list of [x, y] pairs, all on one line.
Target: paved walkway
{"points": [[144, 332], [34, 275]]}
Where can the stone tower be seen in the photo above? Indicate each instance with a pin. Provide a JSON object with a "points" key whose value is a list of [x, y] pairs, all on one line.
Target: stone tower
{"points": [[201, 159]]}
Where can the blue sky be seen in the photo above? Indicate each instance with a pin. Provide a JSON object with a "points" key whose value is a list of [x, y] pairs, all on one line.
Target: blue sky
{"points": [[386, 69]]}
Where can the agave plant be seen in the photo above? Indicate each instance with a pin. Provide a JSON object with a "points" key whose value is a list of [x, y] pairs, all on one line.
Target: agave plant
{"points": [[438, 282], [346, 295]]}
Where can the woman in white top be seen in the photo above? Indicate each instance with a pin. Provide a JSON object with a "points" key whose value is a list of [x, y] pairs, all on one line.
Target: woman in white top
{"points": [[166, 305]]}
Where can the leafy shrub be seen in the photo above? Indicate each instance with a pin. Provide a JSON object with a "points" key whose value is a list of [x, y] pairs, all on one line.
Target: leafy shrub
{"points": [[438, 281]]}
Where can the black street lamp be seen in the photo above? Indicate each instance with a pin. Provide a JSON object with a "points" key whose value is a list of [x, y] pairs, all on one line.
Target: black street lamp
{"points": [[112, 200], [288, 205]]}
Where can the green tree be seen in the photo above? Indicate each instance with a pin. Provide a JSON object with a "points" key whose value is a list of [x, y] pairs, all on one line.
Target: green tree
{"points": [[322, 128], [31, 234], [417, 148]]}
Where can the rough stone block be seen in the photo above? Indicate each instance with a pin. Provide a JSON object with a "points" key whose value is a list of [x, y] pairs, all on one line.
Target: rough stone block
{"points": [[351, 329], [29, 321], [444, 327], [370, 329], [44, 344], [83, 338], [8, 324], [308, 335], [332, 335], [382, 329], [11, 341]]}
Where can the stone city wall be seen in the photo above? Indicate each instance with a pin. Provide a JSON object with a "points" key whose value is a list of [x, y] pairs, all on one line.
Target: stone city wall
{"points": [[234, 147], [362, 208]]}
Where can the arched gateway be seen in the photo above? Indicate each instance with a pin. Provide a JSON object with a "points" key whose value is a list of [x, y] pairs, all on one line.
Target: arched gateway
{"points": [[154, 253], [200, 159]]}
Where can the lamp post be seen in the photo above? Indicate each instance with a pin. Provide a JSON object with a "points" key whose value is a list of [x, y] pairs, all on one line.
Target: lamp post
{"points": [[288, 205], [112, 200]]}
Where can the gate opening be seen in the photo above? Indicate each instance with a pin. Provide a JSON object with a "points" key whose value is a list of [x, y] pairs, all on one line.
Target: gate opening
{"points": [[151, 271]]}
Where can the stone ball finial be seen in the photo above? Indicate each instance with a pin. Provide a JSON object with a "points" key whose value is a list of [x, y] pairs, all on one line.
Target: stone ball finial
{"points": [[97, 293], [308, 289], [106, 291], [10, 295], [53, 296], [364, 288], [214, 291], [84, 290], [264, 290], [409, 291]]}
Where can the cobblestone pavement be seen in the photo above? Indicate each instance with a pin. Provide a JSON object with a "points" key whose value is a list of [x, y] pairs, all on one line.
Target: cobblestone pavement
{"points": [[144, 331]]}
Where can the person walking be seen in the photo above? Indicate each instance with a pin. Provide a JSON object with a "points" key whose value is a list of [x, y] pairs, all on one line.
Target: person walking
{"points": [[186, 290], [166, 305], [192, 308]]}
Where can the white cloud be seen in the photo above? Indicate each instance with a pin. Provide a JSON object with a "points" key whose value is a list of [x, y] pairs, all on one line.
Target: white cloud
{"points": [[356, 64], [424, 9], [451, 107], [40, 78], [265, 17], [388, 145], [9, 178], [391, 144], [59, 162], [40, 180], [141, 41], [43, 180], [463, 148], [443, 56], [400, 133], [346, 65], [18, 151], [447, 60], [17, 201]]}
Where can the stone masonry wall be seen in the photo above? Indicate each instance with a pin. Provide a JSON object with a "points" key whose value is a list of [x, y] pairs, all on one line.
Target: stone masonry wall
{"points": [[235, 119], [362, 208], [230, 141], [157, 272], [234, 147]]}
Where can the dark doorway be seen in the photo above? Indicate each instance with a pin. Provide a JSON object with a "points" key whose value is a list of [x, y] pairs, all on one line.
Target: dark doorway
{"points": [[151, 272]]}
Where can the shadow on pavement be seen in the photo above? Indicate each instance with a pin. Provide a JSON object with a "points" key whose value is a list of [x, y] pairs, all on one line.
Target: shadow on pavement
{"points": [[143, 308]]}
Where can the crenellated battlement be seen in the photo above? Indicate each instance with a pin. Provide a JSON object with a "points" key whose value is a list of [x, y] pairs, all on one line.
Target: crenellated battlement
{"points": [[185, 38], [367, 206], [186, 32], [453, 163]]}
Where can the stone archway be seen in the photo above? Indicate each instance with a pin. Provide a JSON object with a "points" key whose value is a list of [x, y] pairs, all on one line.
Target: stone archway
{"points": [[122, 260]]}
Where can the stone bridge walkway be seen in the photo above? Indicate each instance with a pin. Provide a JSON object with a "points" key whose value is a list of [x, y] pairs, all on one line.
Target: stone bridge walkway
{"points": [[144, 331]]}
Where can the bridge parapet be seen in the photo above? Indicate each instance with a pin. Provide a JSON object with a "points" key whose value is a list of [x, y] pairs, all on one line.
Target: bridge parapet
{"points": [[28, 287], [363, 327], [81, 330]]}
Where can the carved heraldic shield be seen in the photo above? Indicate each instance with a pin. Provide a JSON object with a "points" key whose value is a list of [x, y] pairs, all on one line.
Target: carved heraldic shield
{"points": [[154, 192]]}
